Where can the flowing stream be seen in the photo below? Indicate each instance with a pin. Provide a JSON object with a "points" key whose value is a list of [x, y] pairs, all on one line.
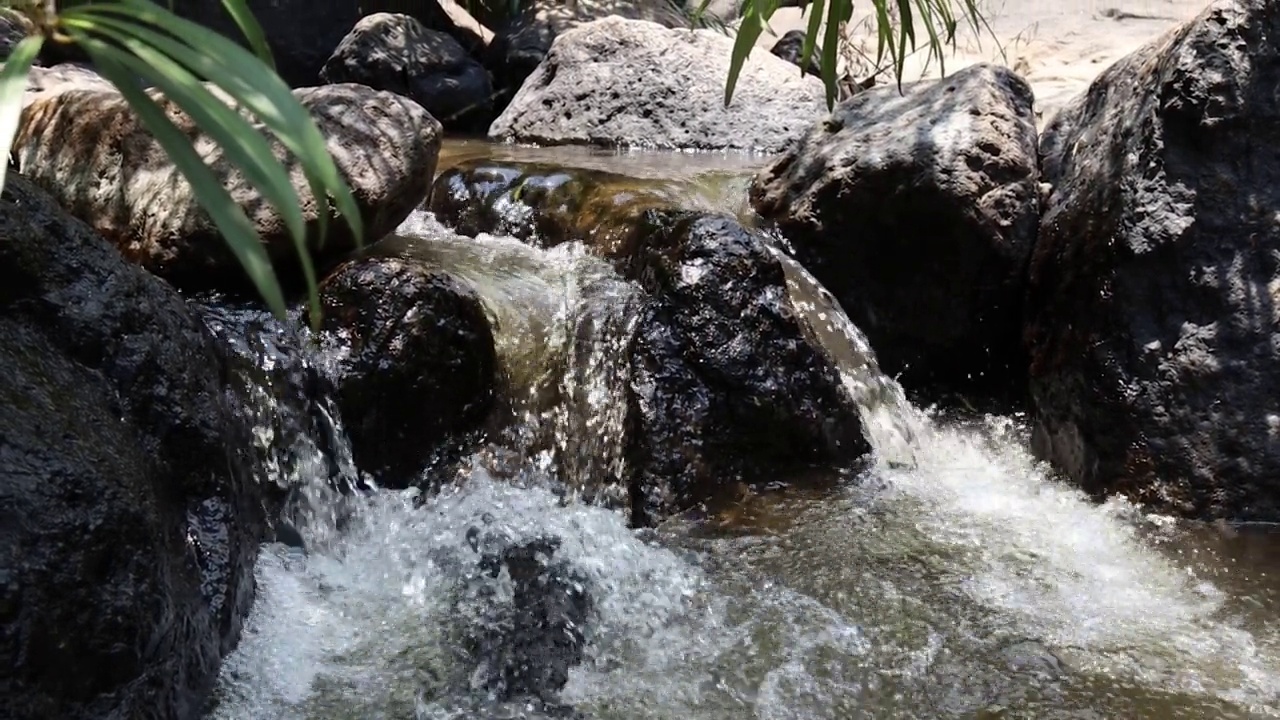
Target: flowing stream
{"points": [[955, 578]]}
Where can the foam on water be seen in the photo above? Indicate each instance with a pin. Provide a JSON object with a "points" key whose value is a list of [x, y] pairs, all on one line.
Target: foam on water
{"points": [[925, 588], [370, 622]]}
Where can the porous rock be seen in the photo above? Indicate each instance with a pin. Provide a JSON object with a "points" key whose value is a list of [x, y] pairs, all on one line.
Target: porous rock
{"points": [[1153, 325], [918, 211]]}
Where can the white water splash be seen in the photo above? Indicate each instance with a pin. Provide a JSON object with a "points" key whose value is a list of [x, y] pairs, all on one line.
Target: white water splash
{"points": [[893, 598]]}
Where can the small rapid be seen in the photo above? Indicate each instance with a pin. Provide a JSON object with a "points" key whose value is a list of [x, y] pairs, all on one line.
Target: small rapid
{"points": [[954, 577]]}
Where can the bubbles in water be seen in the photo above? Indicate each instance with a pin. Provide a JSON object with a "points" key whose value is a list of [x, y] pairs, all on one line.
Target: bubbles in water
{"points": [[956, 578], [371, 627], [562, 320]]}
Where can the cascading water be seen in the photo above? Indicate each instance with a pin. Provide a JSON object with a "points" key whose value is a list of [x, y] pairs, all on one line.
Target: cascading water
{"points": [[955, 578]]}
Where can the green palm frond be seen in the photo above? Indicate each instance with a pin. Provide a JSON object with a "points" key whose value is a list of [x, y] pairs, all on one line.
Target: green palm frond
{"points": [[128, 39], [895, 36]]}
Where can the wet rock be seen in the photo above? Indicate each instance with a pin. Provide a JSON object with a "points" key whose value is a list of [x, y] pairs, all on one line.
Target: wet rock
{"points": [[418, 374], [129, 520], [618, 82], [546, 204], [523, 40], [726, 385], [526, 646], [918, 211], [790, 47], [89, 149], [398, 54], [1152, 311], [283, 390]]}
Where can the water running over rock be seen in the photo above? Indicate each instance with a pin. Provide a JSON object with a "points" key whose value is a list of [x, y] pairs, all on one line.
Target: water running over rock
{"points": [[954, 577]]}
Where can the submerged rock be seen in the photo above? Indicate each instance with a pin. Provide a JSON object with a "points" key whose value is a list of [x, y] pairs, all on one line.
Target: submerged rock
{"points": [[91, 151], [396, 53], [449, 17], [617, 82], [918, 211], [418, 370], [726, 384], [601, 209], [1152, 318], [129, 519], [526, 646]]}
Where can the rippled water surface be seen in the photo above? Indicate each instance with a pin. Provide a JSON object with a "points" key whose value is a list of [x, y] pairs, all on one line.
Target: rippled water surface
{"points": [[955, 578]]}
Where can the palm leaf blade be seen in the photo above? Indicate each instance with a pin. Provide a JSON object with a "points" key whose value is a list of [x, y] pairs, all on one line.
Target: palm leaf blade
{"points": [[227, 215], [13, 83]]}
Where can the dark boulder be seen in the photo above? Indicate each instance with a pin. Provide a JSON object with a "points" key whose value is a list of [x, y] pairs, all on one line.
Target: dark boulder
{"points": [[301, 33], [417, 374], [396, 53], [1153, 321], [918, 211], [726, 383], [446, 16], [284, 390], [790, 47], [129, 518]]}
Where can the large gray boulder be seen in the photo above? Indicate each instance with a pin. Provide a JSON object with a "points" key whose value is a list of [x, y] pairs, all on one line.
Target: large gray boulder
{"points": [[1154, 303], [89, 149], [130, 519], [393, 52], [522, 40], [636, 83], [918, 210]]}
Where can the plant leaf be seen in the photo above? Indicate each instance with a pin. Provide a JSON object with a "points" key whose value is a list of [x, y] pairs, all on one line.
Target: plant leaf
{"points": [[244, 145], [830, 44], [13, 83], [260, 91], [237, 231], [811, 36], [934, 41], [906, 32], [252, 30], [748, 32]]}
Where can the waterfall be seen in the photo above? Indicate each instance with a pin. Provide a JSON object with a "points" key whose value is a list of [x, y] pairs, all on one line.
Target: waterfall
{"points": [[955, 578]]}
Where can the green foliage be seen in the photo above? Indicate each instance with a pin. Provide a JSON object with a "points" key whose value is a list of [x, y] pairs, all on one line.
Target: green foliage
{"points": [[131, 39], [939, 18]]}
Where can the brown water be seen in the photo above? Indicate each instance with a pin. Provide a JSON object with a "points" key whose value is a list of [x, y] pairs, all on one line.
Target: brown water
{"points": [[957, 578]]}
